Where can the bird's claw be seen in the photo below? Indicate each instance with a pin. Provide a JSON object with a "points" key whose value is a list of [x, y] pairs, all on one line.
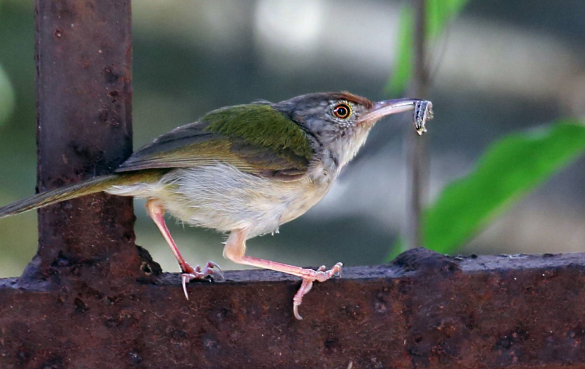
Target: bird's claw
{"points": [[211, 269], [320, 275]]}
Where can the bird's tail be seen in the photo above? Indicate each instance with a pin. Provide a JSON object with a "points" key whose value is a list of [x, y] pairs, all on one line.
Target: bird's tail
{"points": [[40, 200]]}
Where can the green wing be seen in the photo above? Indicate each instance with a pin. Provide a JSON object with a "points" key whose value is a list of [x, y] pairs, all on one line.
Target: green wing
{"points": [[254, 138]]}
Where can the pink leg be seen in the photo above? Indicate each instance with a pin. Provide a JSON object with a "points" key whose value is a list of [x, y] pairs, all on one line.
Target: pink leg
{"points": [[235, 250], [156, 212]]}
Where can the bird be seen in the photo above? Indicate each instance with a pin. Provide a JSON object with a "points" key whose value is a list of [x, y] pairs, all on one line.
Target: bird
{"points": [[244, 170]]}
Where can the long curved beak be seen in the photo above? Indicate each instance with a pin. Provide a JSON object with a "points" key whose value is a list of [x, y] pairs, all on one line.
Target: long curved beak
{"points": [[423, 111]]}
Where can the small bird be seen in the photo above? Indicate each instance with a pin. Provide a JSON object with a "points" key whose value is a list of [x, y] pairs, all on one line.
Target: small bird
{"points": [[244, 169]]}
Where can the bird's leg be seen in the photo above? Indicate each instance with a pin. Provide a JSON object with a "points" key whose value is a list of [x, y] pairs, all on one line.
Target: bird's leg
{"points": [[156, 212], [235, 250]]}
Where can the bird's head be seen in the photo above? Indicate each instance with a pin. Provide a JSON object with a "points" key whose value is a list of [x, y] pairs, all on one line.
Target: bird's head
{"points": [[340, 121]]}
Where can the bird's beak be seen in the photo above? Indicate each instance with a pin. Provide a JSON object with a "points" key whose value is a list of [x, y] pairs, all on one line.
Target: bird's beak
{"points": [[422, 111]]}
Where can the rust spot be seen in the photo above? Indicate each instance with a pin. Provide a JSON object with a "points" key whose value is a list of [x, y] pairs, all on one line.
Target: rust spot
{"points": [[135, 357], [115, 120], [54, 362], [331, 345], [103, 115], [210, 345], [23, 355], [61, 261], [145, 267], [177, 335], [113, 95], [110, 75], [58, 33], [80, 306]]}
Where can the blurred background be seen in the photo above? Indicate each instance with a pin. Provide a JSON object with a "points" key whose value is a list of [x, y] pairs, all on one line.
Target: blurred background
{"points": [[499, 67]]}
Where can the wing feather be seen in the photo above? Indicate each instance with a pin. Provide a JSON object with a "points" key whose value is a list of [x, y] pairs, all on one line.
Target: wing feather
{"points": [[253, 138]]}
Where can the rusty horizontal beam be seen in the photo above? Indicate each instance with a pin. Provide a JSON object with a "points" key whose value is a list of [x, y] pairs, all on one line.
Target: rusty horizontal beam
{"points": [[424, 310]]}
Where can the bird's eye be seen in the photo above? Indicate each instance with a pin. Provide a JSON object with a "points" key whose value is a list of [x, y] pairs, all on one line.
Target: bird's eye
{"points": [[342, 110]]}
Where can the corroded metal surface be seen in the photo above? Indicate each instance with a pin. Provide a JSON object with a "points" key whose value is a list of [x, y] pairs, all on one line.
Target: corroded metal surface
{"points": [[84, 92], [423, 311]]}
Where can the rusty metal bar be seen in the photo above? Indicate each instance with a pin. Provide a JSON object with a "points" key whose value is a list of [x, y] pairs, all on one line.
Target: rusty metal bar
{"points": [[84, 96], [424, 311]]}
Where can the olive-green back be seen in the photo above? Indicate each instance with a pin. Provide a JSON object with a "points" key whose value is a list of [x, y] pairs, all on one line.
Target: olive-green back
{"points": [[254, 138]]}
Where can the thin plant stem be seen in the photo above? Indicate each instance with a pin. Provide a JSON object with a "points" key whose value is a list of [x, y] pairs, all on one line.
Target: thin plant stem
{"points": [[416, 145]]}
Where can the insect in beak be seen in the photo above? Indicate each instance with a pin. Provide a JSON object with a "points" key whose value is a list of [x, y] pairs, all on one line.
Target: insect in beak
{"points": [[423, 111]]}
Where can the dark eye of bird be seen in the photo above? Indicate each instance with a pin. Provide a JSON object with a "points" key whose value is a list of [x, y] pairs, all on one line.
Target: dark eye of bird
{"points": [[342, 111]]}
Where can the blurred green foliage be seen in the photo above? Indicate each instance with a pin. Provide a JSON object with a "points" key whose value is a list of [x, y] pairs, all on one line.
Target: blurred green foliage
{"points": [[439, 13], [508, 170], [7, 98]]}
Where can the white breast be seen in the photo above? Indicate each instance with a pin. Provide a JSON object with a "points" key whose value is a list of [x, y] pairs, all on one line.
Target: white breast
{"points": [[223, 198]]}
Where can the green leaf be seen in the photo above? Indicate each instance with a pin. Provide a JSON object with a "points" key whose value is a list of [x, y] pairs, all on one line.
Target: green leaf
{"points": [[7, 98], [439, 13], [507, 171], [403, 66]]}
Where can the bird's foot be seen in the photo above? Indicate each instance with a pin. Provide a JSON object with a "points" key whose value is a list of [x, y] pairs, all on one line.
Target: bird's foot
{"points": [[211, 269], [310, 276]]}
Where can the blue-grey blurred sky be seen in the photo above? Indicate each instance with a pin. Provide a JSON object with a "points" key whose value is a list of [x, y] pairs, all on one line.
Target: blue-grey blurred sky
{"points": [[500, 67]]}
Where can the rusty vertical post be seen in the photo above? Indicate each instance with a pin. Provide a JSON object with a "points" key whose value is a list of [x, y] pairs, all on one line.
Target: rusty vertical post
{"points": [[416, 145], [84, 105]]}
